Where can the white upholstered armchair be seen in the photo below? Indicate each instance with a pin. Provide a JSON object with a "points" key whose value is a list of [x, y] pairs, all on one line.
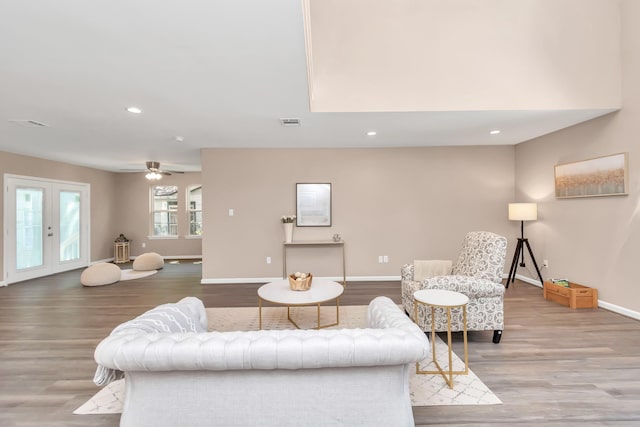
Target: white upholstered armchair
{"points": [[478, 274]]}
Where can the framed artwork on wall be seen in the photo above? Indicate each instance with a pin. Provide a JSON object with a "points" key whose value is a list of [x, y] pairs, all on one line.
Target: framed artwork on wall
{"points": [[602, 176], [313, 205]]}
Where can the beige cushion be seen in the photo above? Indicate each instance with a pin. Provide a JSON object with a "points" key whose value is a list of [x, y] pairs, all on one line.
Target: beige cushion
{"points": [[100, 274], [430, 268], [148, 261]]}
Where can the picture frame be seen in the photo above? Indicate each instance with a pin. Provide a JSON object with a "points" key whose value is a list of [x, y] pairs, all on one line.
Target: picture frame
{"points": [[597, 177], [313, 204]]}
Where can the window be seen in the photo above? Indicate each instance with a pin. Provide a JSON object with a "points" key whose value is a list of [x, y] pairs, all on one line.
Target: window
{"points": [[194, 194], [164, 210]]}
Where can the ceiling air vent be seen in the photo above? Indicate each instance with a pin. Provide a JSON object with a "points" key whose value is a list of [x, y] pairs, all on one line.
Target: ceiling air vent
{"points": [[29, 123], [290, 122]]}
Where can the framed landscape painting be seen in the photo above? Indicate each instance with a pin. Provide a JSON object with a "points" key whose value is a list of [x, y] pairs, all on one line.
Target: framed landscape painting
{"points": [[602, 176]]}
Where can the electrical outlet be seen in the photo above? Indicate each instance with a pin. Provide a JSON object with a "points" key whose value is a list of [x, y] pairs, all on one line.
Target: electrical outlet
{"points": [[385, 259], [268, 260], [231, 212], [545, 263], [144, 245], [380, 259]]}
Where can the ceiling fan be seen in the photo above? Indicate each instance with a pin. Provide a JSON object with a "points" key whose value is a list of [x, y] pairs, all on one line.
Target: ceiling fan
{"points": [[154, 172]]}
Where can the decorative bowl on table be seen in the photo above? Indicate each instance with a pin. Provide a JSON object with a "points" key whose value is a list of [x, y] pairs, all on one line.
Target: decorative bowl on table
{"points": [[300, 281]]}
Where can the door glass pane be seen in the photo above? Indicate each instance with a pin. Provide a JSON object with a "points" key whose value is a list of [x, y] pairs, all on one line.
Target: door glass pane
{"points": [[195, 210], [69, 225], [29, 227], [165, 210]]}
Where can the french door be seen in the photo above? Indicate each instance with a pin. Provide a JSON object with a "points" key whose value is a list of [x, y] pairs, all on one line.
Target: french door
{"points": [[46, 227]]}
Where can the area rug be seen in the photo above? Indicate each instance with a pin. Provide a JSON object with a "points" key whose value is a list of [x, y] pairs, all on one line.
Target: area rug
{"points": [[129, 274], [426, 390]]}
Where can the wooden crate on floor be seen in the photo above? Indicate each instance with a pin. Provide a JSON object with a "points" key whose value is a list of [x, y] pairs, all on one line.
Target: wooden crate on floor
{"points": [[575, 296]]}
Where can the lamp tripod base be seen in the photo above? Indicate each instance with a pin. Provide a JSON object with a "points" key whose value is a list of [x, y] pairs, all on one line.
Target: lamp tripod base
{"points": [[519, 253]]}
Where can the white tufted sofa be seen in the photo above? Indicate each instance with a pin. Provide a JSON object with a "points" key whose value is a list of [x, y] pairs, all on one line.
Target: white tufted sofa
{"points": [[339, 377], [478, 274]]}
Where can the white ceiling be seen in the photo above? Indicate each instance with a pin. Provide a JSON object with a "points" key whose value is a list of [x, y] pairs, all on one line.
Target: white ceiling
{"points": [[217, 73]]}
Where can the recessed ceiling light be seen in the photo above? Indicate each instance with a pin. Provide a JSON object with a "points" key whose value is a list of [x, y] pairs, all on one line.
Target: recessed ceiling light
{"points": [[372, 133], [134, 110], [179, 138], [494, 132]]}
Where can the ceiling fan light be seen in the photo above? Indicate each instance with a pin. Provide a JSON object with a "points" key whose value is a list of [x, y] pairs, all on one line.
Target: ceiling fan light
{"points": [[151, 176]]}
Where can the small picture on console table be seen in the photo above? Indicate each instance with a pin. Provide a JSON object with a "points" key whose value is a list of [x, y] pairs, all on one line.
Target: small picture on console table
{"points": [[313, 205], [603, 176]]}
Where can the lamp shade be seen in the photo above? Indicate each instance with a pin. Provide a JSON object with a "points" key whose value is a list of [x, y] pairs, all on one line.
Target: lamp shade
{"points": [[523, 211]]}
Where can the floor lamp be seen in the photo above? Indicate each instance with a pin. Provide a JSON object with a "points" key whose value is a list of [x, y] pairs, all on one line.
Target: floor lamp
{"points": [[522, 212]]}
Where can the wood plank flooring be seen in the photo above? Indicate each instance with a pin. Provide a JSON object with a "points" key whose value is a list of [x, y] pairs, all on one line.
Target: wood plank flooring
{"points": [[554, 366]]}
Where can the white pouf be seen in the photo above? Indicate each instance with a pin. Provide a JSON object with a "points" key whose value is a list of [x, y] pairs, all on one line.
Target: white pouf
{"points": [[100, 274], [148, 261]]}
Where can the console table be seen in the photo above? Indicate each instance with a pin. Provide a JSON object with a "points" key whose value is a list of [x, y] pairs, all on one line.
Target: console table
{"points": [[309, 244]]}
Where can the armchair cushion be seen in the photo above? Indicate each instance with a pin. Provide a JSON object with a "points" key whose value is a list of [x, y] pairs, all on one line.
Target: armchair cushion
{"points": [[430, 268], [470, 286]]}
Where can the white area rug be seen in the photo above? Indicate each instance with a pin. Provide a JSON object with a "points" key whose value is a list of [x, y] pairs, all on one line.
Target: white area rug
{"points": [[130, 274], [426, 390]]}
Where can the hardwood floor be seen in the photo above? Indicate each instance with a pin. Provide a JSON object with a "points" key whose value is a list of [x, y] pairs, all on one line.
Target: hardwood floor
{"points": [[554, 366]]}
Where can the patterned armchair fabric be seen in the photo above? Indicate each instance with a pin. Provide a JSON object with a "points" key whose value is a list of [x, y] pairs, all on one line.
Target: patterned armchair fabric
{"points": [[478, 274]]}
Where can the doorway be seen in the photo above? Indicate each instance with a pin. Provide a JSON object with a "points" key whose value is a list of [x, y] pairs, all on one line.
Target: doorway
{"points": [[46, 227]]}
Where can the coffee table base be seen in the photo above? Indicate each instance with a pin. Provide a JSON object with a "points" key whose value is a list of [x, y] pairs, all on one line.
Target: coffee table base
{"points": [[318, 325]]}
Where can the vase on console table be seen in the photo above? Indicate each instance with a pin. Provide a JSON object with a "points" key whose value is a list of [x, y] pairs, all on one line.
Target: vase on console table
{"points": [[288, 231]]}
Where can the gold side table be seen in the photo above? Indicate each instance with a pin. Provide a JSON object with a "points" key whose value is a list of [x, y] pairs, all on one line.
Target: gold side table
{"points": [[120, 252], [443, 299]]}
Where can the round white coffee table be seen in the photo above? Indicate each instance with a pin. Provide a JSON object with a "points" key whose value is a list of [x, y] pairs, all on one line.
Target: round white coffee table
{"points": [[444, 299], [321, 291]]}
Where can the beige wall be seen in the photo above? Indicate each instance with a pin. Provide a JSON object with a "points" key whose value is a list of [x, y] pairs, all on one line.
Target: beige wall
{"points": [[134, 215], [594, 241], [406, 203], [463, 55], [103, 195]]}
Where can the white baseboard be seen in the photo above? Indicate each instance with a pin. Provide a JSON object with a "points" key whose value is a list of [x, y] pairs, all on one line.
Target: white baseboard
{"points": [[619, 310], [602, 304], [173, 257], [529, 280], [3, 283], [235, 280], [272, 279], [370, 278], [134, 257]]}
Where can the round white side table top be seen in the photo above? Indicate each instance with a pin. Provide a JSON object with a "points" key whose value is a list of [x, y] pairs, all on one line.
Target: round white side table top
{"points": [[441, 297], [279, 292]]}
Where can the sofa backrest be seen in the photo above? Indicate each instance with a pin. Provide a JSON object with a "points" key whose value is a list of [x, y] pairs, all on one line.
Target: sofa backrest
{"points": [[392, 339]]}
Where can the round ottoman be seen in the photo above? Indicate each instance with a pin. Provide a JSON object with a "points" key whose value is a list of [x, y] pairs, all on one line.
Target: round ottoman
{"points": [[148, 261], [99, 274]]}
